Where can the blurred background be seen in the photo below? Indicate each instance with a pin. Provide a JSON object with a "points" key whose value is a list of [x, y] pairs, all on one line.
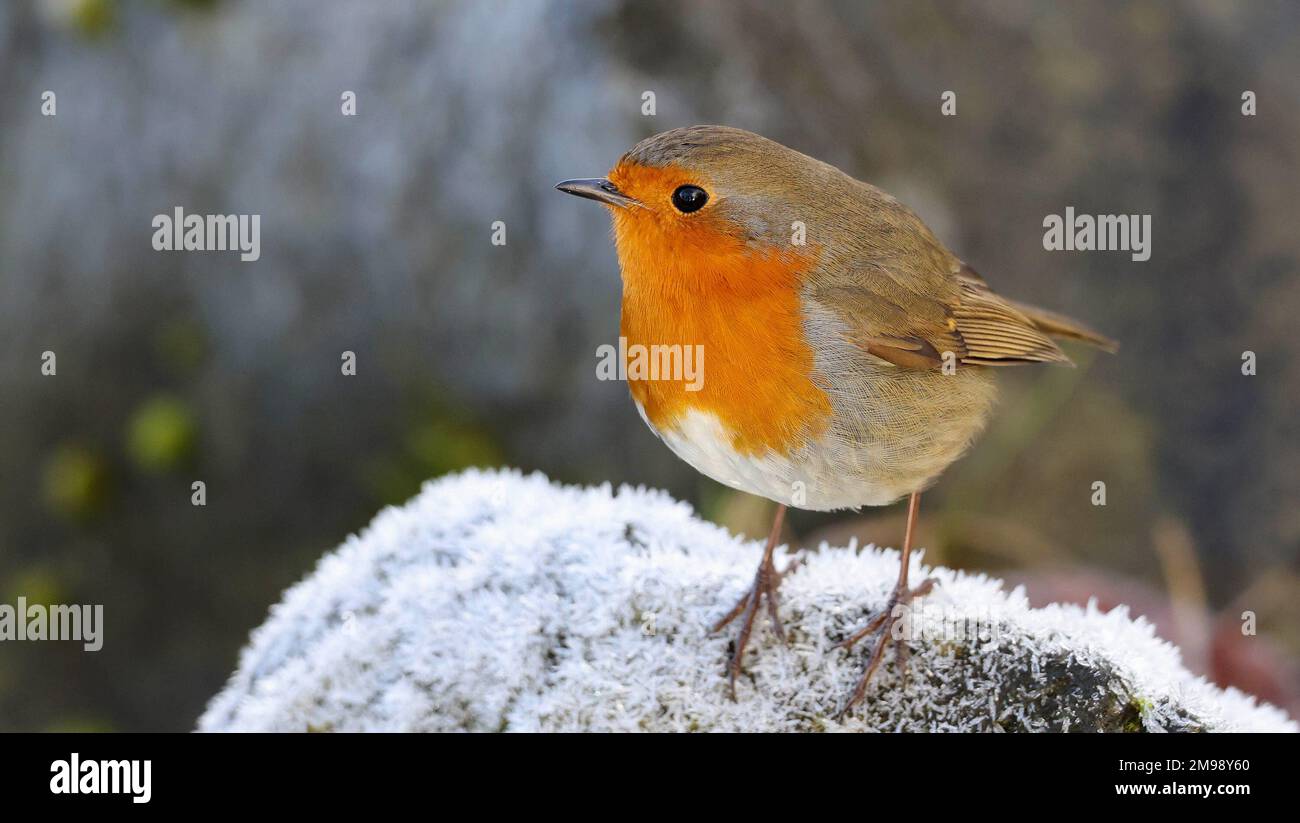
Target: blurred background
{"points": [[376, 239]]}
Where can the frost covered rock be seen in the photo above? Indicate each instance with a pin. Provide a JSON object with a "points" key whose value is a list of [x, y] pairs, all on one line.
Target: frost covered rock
{"points": [[495, 601]]}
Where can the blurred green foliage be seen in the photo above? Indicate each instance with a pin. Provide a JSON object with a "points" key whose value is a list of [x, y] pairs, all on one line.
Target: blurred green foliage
{"points": [[94, 18], [181, 346], [38, 584], [75, 482], [436, 442], [161, 434]]}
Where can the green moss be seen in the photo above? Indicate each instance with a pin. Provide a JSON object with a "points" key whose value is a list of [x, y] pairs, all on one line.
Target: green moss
{"points": [[1131, 717]]}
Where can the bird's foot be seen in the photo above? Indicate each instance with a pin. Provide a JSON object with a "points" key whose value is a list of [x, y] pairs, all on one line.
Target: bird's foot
{"points": [[766, 582], [883, 628]]}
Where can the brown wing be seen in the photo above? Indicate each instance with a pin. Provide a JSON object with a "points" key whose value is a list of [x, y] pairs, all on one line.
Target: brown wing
{"points": [[907, 300], [913, 327]]}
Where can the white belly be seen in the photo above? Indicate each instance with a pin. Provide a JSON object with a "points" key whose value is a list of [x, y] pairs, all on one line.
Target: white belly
{"points": [[701, 441], [808, 479]]}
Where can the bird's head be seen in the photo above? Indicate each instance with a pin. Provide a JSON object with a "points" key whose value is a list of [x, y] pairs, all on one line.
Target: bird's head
{"points": [[711, 206]]}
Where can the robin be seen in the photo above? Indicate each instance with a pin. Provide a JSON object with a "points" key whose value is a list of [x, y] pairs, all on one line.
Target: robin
{"points": [[849, 356]]}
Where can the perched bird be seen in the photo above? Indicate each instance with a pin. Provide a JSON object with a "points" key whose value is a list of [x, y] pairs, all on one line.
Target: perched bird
{"points": [[847, 354]]}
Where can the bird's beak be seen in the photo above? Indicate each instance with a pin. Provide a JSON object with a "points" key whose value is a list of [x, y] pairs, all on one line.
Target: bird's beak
{"points": [[599, 189]]}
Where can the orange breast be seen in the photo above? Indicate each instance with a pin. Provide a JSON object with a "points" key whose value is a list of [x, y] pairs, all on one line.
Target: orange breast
{"points": [[695, 283]]}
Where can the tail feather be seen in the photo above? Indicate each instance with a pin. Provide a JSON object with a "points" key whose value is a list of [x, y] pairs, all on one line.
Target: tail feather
{"points": [[1058, 325]]}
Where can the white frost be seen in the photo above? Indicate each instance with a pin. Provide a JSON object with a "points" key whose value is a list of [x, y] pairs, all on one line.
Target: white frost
{"points": [[497, 601]]}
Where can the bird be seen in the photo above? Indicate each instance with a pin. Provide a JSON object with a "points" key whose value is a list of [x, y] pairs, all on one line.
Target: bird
{"points": [[849, 355]]}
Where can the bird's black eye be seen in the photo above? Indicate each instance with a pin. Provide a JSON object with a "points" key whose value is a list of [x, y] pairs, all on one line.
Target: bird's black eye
{"points": [[690, 198]]}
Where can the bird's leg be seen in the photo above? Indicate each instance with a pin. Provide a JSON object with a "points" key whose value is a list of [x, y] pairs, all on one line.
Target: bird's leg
{"points": [[765, 585], [882, 625]]}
